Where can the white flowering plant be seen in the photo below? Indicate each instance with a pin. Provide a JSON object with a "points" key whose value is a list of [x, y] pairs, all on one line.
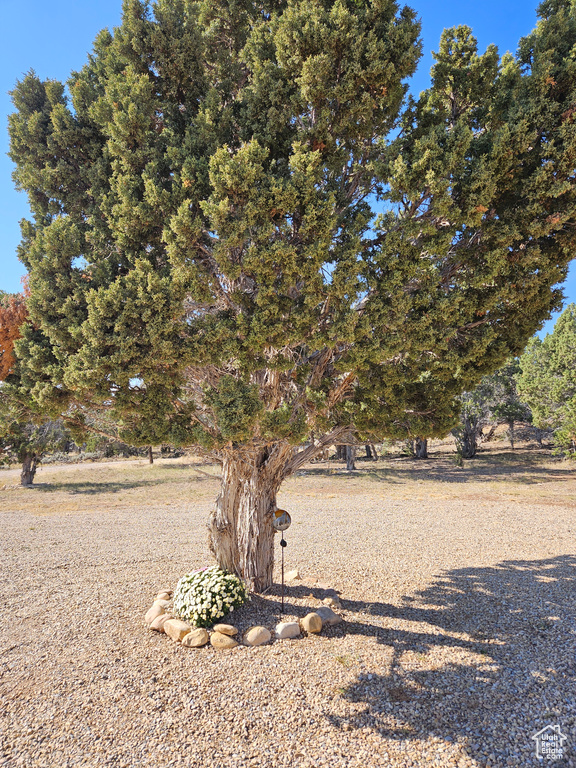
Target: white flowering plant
{"points": [[207, 595]]}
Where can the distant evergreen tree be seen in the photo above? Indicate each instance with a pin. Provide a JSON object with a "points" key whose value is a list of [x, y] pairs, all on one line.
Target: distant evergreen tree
{"points": [[24, 435], [547, 381], [204, 257], [509, 408], [26, 441], [494, 401]]}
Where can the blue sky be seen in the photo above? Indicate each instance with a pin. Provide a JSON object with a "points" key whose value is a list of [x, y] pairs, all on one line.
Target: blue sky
{"points": [[54, 38]]}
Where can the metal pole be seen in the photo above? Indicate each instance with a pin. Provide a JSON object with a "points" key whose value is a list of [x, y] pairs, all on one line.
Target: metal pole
{"points": [[283, 545], [280, 522]]}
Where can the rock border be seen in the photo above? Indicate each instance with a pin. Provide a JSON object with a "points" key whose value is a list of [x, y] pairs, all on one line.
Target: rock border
{"points": [[226, 636]]}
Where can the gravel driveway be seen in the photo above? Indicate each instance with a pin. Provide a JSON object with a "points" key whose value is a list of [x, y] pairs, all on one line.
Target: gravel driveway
{"points": [[458, 590]]}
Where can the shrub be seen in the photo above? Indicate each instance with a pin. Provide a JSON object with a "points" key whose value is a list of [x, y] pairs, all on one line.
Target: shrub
{"points": [[207, 595]]}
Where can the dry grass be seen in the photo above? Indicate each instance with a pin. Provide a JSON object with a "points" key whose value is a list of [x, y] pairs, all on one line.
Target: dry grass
{"points": [[498, 474], [111, 486]]}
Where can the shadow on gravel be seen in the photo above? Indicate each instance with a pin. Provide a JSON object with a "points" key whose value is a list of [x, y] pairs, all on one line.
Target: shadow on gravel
{"points": [[493, 662], [94, 487], [113, 486]]}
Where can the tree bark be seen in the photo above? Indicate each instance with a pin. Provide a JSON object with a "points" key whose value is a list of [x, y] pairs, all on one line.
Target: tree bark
{"points": [[421, 448], [150, 455], [371, 452], [467, 437], [490, 435], [468, 445], [241, 531], [241, 535], [350, 457], [29, 465]]}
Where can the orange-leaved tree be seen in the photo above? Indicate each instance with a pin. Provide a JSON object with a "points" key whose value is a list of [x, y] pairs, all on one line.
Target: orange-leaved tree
{"points": [[13, 313]]}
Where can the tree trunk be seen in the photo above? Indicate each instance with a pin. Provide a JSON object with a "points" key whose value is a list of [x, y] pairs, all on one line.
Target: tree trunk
{"points": [[350, 457], [467, 436], [241, 532], [150, 455], [371, 452], [29, 465], [490, 434], [539, 436], [511, 434], [421, 448], [468, 445]]}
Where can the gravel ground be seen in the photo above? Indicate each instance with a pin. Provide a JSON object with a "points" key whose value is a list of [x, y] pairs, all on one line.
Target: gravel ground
{"points": [[459, 639]]}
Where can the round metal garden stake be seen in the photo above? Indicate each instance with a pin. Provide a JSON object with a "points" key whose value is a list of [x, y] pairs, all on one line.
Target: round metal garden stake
{"points": [[281, 522]]}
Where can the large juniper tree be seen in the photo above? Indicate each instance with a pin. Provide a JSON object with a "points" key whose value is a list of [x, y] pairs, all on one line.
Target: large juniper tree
{"points": [[203, 255]]}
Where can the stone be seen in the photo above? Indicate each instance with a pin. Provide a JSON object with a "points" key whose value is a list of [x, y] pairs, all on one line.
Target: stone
{"points": [[332, 602], [225, 629], [176, 629], [163, 603], [196, 638], [166, 594], [287, 629], [328, 616], [221, 641], [257, 636], [312, 623], [158, 623], [153, 613], [292, 575]]}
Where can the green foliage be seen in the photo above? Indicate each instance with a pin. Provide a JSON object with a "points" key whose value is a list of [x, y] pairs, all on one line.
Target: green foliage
{"points": [[205, 261], [235, 406], [547, 381], [507, 405], [22, 438], [494, 401]]}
